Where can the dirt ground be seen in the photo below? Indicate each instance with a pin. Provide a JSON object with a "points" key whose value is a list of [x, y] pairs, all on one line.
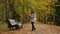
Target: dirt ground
{"points": [[40, 29]]}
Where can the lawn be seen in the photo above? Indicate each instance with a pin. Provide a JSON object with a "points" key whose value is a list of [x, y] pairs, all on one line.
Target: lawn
{"points": [[3, 26]]}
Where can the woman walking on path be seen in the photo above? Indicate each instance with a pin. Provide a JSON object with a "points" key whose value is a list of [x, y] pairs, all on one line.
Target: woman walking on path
{"points": [[32, 20]]}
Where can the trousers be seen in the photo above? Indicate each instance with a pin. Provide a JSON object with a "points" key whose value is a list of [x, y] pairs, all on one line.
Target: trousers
{"points": [[33, 27]]}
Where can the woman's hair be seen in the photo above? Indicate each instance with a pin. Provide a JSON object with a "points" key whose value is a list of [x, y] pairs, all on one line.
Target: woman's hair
{"points": [[32, 11]]}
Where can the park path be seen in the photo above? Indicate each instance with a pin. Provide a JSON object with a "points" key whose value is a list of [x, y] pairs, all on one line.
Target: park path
{"points": [[40, 29]]}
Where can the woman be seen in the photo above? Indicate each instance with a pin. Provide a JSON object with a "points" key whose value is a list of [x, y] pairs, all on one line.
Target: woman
{"points": [[32, 20]]}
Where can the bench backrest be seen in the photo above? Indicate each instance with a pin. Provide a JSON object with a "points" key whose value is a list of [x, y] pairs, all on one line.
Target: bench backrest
{"points": [[12, 22]]}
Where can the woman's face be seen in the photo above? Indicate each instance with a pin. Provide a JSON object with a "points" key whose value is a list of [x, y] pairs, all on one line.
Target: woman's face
{"points": [[32, 12]]}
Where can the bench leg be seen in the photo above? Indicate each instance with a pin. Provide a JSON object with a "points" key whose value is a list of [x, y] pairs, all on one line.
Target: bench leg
{"points": [[16, 27]]}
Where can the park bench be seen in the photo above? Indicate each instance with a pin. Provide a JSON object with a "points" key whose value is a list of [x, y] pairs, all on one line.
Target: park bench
{"points": [[12, 24]]}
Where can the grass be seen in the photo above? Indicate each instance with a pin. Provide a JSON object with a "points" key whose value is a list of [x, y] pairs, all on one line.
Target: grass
{"points": [[3, 26]]}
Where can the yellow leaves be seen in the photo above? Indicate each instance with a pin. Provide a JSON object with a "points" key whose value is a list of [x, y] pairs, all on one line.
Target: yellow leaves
{"points": [[45, 3], [16, 1], [43, 8], [35, 4]]}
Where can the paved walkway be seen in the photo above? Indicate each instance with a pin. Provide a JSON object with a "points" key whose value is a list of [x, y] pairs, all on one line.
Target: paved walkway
{"points": [[40, 29]]}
